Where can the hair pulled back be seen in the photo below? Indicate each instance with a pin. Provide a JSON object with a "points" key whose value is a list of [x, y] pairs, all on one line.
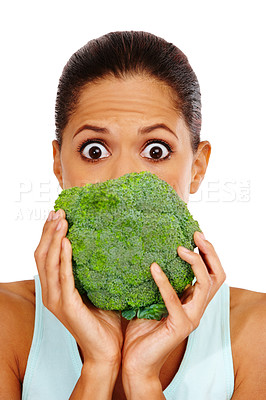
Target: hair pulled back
{"points": [[124, 53]]}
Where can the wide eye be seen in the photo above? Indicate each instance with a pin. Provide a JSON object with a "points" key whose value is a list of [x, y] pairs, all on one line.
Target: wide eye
{"points": [[157, 150], [94, 151]]}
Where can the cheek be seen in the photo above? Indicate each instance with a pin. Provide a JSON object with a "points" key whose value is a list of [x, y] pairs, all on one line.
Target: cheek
{"points": [[72, 172], [77, 174], [180, 180], [182, 188]]}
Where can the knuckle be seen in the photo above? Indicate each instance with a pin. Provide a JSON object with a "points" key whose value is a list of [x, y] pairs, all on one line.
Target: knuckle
{"points": [[198, 257], [195, 324], [64, 276], [172, 297], [189, 327], [36, 254], [195, 257], [222, 277], [209, 245], [41, 255], [207, 283], [52, 265]]}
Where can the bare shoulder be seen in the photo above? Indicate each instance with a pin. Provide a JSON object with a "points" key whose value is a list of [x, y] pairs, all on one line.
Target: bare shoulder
{"points": [[241, 296], [248, 338], [23, 289], [247, 310], [17, 308]]}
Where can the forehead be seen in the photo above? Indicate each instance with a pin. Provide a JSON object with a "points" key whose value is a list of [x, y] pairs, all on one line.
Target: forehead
{"points": [[132, 98]]}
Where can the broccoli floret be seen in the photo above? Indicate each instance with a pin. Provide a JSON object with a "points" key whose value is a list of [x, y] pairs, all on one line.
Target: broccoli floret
{"points": [[117, 229]]}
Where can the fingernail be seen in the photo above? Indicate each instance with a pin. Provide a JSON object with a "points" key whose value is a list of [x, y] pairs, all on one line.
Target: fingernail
{"points": [[184, 249], [56, 215], [156, 267], [202, 235], [50, 216], [59, 225]]}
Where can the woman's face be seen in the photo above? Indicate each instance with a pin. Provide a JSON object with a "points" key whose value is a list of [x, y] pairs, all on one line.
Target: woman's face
{"points": [[122, 126]]}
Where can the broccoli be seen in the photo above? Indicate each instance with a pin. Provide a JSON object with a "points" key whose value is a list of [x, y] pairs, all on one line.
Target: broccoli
{"points": [[117, 229]]}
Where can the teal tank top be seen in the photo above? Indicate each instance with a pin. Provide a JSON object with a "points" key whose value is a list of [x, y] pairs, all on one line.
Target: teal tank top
{"points": [[206, 371]]}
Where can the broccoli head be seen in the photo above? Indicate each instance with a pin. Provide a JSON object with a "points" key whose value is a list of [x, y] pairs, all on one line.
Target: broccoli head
{"points": [[117, 229]]}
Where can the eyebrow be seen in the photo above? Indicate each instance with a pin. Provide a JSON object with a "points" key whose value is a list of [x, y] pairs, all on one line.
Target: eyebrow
{"points": [[141, 131]]}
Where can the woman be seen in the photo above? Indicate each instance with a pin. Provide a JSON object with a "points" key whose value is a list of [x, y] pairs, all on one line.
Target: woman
{"points": [[129, 102]]}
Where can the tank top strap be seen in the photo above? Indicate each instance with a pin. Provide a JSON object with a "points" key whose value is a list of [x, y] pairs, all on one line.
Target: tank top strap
{"points": [[206, 371], [53, 367], [36, 341]]}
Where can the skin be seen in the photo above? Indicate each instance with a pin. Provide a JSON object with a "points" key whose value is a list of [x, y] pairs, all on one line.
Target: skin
{"points": [[137, 359], [108, 104]]}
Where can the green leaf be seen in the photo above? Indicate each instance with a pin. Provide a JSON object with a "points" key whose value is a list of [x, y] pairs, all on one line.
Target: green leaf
{"points": [[155, 311], [129, 314]]}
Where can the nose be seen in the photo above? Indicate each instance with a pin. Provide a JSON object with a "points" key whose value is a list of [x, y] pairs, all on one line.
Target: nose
{"points": [[124, 165]]}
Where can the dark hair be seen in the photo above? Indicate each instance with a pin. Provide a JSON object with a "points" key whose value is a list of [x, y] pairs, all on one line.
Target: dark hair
{"points": [[124, 53]]}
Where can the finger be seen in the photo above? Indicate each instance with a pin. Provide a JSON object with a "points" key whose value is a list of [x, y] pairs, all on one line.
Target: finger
{"points": [[168, 293], [202, 287], [71, 299], [187, 294], [67, 281], [53, 262], [197, 264], [41, 251], [52, 218], [210, 259]]}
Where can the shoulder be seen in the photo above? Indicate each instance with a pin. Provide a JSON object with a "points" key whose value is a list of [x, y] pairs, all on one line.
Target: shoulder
{"points": [[17, 302], [247, 309], [24, 290], [17, 309], [248, 338]]}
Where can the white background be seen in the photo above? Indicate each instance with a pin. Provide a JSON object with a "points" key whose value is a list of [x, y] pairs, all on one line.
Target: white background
{"points": [[225, 44]]}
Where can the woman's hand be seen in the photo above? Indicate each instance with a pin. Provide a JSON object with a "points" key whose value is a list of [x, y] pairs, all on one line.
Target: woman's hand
{"points": [[97, 332], [148, 343]]}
